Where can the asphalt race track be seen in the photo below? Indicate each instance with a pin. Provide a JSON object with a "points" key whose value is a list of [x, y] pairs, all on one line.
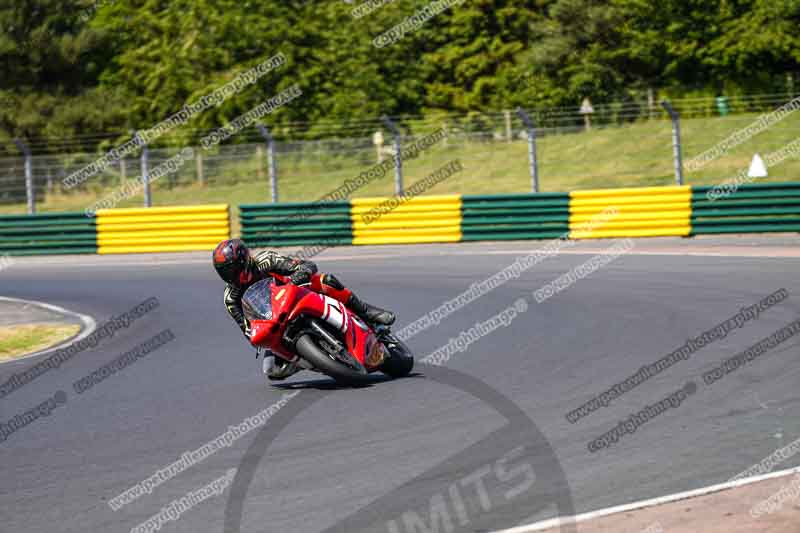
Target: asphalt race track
{"points": [[335, 454]]}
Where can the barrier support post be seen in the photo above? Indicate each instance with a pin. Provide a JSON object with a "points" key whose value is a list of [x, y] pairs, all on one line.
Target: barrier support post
{"points": [[398, 157], [146, 176], [29, 192], [676, 140], [273, 171], [534, 163]]}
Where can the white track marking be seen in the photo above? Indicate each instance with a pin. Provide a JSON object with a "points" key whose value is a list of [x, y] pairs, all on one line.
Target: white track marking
{"points": [[756, 253], [89, 325], [157, 261], [557, 522]]}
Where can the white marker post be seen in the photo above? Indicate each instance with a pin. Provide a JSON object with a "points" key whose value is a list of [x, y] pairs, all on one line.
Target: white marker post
{"points": [[757, 168], [587, 110]]}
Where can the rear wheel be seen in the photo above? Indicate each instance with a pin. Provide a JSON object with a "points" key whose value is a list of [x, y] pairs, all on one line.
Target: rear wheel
{"points": [[311, 351]]}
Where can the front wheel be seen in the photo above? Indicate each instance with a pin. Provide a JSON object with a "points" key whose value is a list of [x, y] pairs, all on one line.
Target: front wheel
{"points": [[400, 361], [309, 350]]}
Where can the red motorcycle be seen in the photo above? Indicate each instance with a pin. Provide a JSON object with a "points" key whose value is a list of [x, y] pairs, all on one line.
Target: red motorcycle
{"points": [[319, 333]]}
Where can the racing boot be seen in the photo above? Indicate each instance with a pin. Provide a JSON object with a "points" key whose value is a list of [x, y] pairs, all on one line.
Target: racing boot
{"points": [[369, 313], [280, 369]]}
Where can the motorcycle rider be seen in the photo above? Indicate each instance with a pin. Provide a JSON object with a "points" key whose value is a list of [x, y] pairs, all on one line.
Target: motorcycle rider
{"points": [[239, 269]]}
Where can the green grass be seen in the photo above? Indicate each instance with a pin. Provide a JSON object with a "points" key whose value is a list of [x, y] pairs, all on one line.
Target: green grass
{"points": [[19, 340], [633, 155]]}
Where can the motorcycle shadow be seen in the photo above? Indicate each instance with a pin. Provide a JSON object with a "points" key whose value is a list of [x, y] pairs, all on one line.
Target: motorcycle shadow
{"points": [[328, 384]]}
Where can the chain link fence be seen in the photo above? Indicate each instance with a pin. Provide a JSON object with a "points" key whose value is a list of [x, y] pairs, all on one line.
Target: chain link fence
{"points": [[623, 144]]}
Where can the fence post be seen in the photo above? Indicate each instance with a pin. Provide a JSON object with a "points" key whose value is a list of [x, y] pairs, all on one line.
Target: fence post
{"points": [[587, 110], [198, 157], [273, 171], [531, 129], [29, 192], [259, 159], [398, 157], [146, 176], [377, 140], [507, 115], [676, 140]]}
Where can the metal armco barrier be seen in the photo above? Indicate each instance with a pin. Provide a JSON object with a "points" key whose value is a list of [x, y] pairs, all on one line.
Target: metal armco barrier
{"points": [[679, 211], [162, 229], [403, 220], [641, 212], [515, 216], [296, 224], [604, 213], [52, 233], [752, 208]]}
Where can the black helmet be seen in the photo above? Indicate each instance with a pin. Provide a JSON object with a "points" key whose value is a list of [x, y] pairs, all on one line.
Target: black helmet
{"points": [[231, 260]]}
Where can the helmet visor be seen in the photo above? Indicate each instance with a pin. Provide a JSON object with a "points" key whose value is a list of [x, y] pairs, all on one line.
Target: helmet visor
{"points": [[230, 272]]}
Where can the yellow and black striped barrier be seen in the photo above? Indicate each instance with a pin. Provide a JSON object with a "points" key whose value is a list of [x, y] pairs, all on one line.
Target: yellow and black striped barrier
{"points": [[592, 214], [161, 229], [406, 220], [637, 212]]}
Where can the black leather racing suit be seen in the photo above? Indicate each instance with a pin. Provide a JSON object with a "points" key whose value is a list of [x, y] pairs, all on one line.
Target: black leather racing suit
{"points": [[261, 266]]}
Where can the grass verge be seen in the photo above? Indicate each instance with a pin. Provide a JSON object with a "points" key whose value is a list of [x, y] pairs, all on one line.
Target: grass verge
{"points": [[22, 339], [631, 155]]}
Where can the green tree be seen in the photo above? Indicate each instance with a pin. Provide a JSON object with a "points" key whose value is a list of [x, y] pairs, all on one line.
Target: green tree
{"points": [[49, 80]]}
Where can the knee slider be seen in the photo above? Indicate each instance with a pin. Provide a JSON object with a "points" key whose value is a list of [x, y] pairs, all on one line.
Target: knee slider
{"points": [[331, 281]]}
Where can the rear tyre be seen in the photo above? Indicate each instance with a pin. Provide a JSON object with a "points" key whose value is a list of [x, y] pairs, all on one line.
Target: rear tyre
{"points": [[309, 350]]}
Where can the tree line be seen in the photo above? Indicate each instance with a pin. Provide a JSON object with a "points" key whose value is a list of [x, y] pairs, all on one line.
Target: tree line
{"points": [[85, 70]]}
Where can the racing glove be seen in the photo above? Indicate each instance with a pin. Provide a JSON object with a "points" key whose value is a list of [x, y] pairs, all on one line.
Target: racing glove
{"points": [[301, 277]]}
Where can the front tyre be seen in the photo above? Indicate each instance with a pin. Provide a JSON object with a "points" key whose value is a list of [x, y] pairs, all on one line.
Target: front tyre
{"points": [[400, 361], [309, 350]]}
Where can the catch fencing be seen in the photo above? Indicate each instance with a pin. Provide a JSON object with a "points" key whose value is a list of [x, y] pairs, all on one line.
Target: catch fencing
{"points": [[619, 145]]}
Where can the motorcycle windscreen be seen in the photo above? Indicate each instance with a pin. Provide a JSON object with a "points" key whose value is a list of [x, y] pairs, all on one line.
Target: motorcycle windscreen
{"points": [[257, 301]]}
